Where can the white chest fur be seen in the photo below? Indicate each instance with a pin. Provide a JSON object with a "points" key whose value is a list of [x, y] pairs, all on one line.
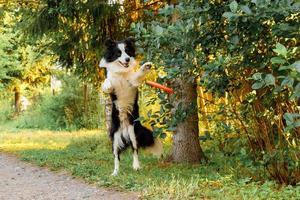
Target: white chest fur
{"points": [[124, 82], [123, 89]]}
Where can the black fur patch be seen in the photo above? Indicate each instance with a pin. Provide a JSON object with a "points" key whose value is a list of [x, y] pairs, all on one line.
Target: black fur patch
{"points": [[115, 125], [112, 51], [143, 135], [129, 47]]}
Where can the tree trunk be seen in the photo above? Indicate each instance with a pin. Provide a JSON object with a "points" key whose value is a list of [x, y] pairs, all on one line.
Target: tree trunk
{"points": [[17, 100], [85, 98], [186, 145]]}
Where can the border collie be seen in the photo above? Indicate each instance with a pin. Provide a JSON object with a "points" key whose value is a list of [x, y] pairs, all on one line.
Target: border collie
{"points": [[122, 83]]}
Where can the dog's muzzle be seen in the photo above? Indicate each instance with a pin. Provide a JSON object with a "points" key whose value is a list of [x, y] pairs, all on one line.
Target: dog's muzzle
{"points": [[126, 65]]}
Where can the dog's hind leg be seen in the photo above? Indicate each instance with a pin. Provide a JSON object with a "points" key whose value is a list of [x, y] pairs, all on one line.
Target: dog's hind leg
{"points": [[117, 163], [136, 163], [116, 152]]}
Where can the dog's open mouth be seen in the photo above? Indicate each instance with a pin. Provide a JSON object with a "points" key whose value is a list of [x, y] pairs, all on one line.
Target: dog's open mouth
{"points": [[124, 64]]}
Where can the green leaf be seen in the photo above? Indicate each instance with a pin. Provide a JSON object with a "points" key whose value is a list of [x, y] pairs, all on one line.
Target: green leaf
{"points": [[243, 151], [254, 1], [163, 135], [280, 49], [257, 85], [246, 9], [235, 39], [297, 123], [228, 15], [277, 60], [290, 117], [257, 76], [285, 67], [158, 30], [233, 6], [270, 79], [288, 81], [296, 65]]}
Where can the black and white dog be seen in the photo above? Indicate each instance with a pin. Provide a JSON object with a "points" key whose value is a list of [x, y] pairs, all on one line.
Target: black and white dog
{"points": [[122, 83]]}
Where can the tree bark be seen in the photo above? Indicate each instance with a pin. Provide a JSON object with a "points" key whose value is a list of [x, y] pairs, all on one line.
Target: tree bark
{"points": [[85, 97], [186, 144], [17, 100]]}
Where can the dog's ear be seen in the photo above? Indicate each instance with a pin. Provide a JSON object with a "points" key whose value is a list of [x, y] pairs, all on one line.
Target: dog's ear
{"points": [[110, 43], [130, 41], [130, 47]]}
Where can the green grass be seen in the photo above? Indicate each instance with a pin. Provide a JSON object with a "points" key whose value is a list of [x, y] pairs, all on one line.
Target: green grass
{"points": [[87, 154]]}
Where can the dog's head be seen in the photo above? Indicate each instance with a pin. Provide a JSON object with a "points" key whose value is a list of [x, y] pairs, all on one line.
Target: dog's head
{"points": [[119, 55]]}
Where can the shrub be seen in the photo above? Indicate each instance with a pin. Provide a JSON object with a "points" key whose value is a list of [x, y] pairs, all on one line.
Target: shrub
{"points": [[247, 56], [6, 111], [67, 109]]}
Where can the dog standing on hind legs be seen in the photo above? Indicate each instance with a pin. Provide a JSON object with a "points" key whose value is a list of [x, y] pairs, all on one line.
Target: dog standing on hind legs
{"points": [[122, 84]]}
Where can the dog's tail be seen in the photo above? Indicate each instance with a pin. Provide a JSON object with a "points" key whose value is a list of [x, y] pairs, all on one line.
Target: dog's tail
{"points": [[146, 140]]}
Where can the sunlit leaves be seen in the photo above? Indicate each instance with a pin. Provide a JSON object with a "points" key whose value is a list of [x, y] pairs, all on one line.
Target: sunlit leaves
{"points": [[246, 9], [296, 65], [277, 60], [257, 85], [292, 120], [78, 31], [288, 81], [23, 64], [269, 80], [229, 15], [257, 76], [158, 30], [233, 6]]}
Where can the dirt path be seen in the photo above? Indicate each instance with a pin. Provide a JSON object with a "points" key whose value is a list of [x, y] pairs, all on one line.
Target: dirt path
{"points": [[19, 180]]}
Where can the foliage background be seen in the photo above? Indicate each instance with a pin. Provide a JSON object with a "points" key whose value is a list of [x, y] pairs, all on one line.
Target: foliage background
{"points": [[235, 53], [243, 56]]}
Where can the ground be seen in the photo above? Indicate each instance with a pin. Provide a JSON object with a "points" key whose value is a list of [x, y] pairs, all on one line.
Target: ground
{"points": [[87, 155], [21, 180]]}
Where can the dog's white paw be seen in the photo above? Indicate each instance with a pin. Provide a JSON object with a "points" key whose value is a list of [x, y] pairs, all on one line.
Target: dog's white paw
{"points": [[147, 66], [136, 166], [115, 173], [107, 86]]}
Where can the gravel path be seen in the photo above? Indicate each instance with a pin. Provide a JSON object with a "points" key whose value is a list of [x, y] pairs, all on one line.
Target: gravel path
{"points": [[20, 180]]}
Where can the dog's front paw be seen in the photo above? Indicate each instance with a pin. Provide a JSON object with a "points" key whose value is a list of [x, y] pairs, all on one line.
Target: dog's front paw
{"points": [[115, 173], [107, 86], [147, 66]]}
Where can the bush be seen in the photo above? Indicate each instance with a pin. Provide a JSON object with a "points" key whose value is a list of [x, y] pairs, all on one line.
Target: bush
{"points": [[246, 54], [68, 109], [6, 111]]}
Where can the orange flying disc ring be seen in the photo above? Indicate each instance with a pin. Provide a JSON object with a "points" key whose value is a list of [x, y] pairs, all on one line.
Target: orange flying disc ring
{"points": [[159, 86]]}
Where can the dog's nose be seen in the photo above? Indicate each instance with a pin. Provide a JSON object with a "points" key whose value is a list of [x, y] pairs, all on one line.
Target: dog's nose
{"points": [[127, 59]]}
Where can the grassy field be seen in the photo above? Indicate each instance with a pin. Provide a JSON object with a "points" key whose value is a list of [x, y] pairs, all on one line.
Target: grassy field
{"points": [[87, 154]]}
